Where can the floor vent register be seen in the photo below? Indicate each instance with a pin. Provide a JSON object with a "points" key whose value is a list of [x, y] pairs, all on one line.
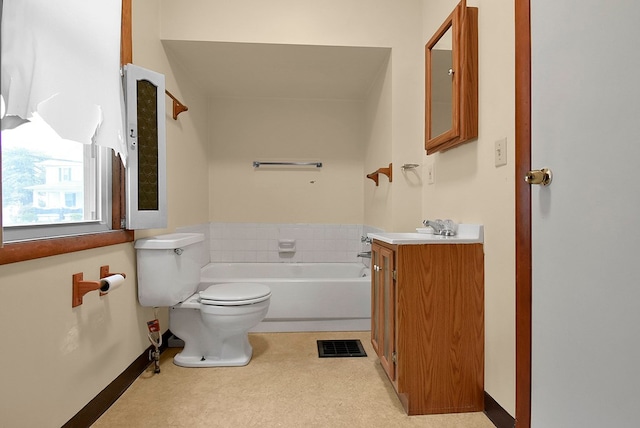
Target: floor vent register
{"points": [[340, 348]]}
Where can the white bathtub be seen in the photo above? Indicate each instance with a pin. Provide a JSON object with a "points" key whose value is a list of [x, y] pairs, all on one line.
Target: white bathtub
{"points": [[305, 296]]}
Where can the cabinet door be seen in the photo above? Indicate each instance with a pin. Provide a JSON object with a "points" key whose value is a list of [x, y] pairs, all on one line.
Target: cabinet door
{"points": [[451, 99], [387, 312], [376, 283]]}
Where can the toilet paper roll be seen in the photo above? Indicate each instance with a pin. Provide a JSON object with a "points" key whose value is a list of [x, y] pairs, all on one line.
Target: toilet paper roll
{"points": [[111, 282]]}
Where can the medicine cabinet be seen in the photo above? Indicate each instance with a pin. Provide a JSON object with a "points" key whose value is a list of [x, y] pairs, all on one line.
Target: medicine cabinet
{"points": [[451, 110]]}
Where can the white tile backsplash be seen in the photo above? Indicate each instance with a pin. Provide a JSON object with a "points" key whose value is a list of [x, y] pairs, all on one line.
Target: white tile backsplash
{"points": [[258, 242]]}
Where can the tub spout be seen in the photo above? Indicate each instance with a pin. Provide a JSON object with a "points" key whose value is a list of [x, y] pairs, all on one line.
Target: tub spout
{"points": [[365, 254]]}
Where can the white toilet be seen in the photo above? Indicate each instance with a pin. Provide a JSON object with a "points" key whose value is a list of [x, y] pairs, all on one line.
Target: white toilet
{"points": [[213, 322]]}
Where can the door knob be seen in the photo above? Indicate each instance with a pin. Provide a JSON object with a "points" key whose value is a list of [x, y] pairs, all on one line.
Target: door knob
{"points": [[539, 176]]}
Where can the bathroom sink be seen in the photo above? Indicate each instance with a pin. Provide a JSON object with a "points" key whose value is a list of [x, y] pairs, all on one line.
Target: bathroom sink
{"points": [[467, 234]]}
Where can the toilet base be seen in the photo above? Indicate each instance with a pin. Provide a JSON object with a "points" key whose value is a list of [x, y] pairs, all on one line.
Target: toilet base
{"points": [[187, 361], [230, 350], [214, 336]]}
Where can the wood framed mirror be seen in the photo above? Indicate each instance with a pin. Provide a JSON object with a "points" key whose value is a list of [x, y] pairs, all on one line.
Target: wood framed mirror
{"points": [[451, 86]]}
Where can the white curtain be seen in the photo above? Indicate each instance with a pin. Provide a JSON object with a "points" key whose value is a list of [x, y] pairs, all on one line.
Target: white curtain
{"points": [[61, 63]]}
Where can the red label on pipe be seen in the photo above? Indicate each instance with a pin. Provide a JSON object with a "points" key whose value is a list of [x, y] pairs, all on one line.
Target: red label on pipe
{"points": [[154, 326]]}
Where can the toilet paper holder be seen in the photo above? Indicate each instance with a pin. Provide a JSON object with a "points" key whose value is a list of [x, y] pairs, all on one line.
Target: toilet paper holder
{"points": [[107, 282]]}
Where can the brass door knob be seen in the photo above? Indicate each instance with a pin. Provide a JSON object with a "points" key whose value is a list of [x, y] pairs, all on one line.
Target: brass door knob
{"points": [[539, 176]]}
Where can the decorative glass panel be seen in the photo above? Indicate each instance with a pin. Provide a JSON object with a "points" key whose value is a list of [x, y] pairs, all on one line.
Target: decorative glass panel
{"points": [[147, 146]]}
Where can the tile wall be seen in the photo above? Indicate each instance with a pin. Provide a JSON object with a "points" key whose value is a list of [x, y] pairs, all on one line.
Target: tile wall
{"points": [[279, 242]]}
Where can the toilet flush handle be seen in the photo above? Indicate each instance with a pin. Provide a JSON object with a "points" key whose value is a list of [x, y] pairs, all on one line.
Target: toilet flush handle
{"points": [[178, 251]]}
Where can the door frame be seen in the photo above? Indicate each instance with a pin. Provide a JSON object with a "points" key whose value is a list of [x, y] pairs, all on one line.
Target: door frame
{"points": [[523, 211]]}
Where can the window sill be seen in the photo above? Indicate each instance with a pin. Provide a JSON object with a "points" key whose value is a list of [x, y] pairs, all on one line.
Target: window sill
{"points": [[37, 248]]}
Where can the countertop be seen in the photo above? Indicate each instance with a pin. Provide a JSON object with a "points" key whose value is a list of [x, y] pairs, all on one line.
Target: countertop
{"points": [[467, 234]]}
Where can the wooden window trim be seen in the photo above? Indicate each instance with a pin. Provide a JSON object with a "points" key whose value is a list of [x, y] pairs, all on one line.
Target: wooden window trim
{"points": [[37, 248]]}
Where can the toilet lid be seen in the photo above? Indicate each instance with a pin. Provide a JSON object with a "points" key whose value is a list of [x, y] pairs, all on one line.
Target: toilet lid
{"points": [[234, 294]]}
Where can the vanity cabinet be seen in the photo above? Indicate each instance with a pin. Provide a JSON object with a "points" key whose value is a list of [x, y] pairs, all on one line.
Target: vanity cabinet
{"points": [[427, 324]]}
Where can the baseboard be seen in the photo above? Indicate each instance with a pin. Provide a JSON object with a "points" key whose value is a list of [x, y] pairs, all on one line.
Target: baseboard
{"points": [[499, 416], [101, 402]]}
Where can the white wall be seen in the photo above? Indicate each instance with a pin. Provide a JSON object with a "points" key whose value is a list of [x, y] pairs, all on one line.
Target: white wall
{"points": [[187, 137], [56, 358], [470, 188], [243, 130], [378, 201], [379, 23]]}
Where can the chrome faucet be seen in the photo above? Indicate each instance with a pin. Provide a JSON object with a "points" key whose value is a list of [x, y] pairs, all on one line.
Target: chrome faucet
{"points": [[437, 226], [444, 228]]}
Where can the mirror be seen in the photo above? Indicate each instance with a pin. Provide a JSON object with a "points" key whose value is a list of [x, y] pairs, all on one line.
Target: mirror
{"points": [[451, 101], [441, 110]]}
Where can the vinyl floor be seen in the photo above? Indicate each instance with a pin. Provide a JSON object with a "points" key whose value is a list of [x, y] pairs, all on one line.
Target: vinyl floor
{"points": [[284, 385]]}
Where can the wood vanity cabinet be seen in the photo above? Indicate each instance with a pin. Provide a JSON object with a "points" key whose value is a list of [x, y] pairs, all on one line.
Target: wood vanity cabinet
{"points": [[427, 324]]}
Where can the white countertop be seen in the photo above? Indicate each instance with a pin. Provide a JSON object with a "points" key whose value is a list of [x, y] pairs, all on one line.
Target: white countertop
{"points": [[467, 234]]}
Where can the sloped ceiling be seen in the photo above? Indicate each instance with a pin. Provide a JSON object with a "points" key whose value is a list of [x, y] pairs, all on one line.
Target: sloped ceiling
{"points": [[224, 69]]}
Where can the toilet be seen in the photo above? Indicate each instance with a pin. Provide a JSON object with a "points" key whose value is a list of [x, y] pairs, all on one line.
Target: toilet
{"points": [[213, 320]]}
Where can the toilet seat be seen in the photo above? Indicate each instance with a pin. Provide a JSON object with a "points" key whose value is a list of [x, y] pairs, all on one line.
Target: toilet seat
{"points": [[234, 294]]}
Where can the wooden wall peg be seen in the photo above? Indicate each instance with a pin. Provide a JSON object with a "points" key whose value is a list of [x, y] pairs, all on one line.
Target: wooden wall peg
{"points": [[386, 171], [178, 107]]}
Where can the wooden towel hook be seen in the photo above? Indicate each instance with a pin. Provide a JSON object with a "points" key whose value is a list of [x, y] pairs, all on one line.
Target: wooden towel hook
{"points": [[178, 107], [386, 171]]}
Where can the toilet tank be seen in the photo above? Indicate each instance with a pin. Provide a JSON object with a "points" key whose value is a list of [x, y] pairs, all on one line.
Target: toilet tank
{"points": [[168, 267]]}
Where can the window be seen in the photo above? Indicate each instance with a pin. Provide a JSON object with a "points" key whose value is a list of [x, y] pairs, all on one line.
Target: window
{"points": [[64, 172], [53, 188], [47, 180], [70, 200], [97, 199]]}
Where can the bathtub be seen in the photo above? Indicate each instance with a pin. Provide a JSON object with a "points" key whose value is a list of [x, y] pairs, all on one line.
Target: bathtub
{"points": [[304, 296]]}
